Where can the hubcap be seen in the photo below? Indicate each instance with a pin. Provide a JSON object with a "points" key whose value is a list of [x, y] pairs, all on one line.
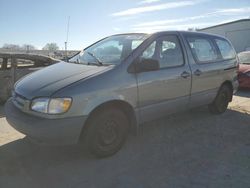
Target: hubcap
{"points": [[109, 132]]}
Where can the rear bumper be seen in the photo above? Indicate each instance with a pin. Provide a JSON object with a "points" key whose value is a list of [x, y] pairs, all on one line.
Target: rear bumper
{"points": [[62, 131]]}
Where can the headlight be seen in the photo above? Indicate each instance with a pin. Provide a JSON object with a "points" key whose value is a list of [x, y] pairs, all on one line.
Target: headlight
{"points": [[40, 105], [59, 105], [248, 73], [51, 105]]}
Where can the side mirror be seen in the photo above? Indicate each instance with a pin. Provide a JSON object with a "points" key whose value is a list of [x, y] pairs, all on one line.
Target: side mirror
{"points": [[144, 65]]}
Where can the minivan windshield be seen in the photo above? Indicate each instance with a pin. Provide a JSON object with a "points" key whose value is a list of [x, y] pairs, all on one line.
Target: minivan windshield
{"points": [[244, 57], [109, 51]]}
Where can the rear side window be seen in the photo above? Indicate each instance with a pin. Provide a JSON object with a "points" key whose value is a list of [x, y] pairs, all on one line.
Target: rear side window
{"points": [[202, 49], [22, 63], [226, 50]]}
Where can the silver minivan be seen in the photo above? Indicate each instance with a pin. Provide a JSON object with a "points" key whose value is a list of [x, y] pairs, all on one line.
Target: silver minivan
{"points": [[119, 82]]}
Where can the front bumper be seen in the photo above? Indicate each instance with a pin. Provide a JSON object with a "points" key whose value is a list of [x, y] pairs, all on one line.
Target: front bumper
{"points": [[63, 131]]}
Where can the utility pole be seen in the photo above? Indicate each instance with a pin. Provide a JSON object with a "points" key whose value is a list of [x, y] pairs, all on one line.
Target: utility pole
{"points": [[66, 42], [65, 46], [27, 49]]}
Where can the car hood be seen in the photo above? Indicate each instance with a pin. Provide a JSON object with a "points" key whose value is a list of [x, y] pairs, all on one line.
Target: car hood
{"points": [[244, 68], [47, 81]]}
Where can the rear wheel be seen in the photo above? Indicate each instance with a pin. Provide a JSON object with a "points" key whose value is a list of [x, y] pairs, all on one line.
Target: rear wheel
{"points": [[106, 133], [221, 101]]}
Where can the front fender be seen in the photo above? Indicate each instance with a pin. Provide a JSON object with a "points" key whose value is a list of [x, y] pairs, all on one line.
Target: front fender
{"points": [[93, 103]]}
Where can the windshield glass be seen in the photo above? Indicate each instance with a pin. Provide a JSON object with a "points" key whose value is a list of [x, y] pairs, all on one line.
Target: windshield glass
{"points": [[111, 50], [244, 58]]}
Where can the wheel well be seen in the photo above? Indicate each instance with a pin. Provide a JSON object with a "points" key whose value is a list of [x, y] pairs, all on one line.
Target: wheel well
{"points": [[230, 86], [125, 107]]}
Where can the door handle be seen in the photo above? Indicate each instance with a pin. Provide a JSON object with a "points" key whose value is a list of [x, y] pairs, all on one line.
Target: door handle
{"points": [[197, 72], [185, 74]]}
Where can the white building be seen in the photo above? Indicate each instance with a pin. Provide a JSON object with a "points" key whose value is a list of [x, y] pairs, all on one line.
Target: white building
{"points": [[238, 32]]}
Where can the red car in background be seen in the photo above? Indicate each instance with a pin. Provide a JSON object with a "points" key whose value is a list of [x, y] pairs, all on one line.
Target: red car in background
{"points": [[244, 69]]}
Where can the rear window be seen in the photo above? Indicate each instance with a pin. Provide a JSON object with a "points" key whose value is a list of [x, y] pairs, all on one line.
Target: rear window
{"points": [[202, 49], [226, 50]]}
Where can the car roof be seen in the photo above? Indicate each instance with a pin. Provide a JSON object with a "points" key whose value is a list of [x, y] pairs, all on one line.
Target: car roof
{"points": [[194, 33]]}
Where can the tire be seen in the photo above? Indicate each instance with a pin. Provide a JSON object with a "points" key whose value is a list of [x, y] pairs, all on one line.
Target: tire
{"points": [[221, 101], [106, 132]]}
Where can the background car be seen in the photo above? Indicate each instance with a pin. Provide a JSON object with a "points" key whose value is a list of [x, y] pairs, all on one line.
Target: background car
{"points": [[244, 69], [13, 66]]}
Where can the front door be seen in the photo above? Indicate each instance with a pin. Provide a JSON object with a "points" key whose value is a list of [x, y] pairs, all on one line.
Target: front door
{"points": [[166, 90]]}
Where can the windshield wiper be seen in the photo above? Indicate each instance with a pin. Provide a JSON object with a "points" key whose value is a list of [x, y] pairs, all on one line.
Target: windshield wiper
{"points": [[97, 60], [76, 61]]}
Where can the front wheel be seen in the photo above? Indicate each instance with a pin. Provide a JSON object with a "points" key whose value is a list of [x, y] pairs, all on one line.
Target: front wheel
{"points": [[221, 101], [106, 133]]}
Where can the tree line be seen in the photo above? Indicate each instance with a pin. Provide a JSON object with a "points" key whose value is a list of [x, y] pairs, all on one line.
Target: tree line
{"points": [[49, 46]]}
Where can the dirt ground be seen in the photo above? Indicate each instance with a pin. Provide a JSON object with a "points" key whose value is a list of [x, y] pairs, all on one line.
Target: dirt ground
{"points": [[192, 149]]}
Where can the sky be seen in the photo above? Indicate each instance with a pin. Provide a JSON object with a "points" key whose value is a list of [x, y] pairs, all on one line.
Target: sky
{"points": [[40, 22]]}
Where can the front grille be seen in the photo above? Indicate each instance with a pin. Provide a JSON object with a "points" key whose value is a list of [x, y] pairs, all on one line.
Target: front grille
{"points": [[19, 101]]}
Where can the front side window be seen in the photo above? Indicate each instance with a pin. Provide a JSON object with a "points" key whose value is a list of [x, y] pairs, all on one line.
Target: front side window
{"points": [[170, 52], [111, 50], [226, 50], [166, 50], [202, 49]]}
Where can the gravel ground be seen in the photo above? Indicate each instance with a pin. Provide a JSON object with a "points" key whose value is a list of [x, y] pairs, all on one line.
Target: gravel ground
{"points": [[191, 149]]}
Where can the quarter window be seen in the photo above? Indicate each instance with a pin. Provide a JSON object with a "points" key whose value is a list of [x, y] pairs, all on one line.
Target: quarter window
{"points": [[136, 43], [225, 48], [150, 51], [202, 49]]}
